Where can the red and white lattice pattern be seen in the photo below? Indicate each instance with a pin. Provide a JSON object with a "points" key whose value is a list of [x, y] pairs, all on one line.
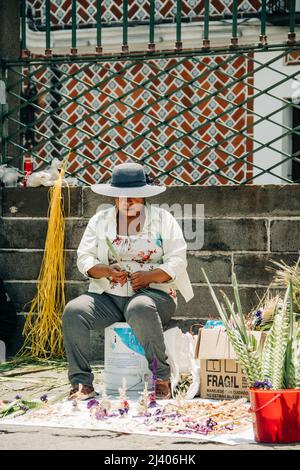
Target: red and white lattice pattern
{"points": [[138, 10], [292, 58], [111, 112]]}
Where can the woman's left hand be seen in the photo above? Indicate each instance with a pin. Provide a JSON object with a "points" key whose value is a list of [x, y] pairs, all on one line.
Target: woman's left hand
{"points": [[140, 279]]}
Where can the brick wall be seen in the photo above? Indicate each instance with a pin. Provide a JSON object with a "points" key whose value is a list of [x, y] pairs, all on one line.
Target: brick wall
{"points": [[245, 227]]}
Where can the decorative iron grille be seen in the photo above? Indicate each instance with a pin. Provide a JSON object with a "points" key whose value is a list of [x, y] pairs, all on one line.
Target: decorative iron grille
{"points": [[138, 11], [190, 116]]}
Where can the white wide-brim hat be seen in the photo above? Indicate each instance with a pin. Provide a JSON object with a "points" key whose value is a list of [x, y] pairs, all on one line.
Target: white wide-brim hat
{"points": [[128, 180]]}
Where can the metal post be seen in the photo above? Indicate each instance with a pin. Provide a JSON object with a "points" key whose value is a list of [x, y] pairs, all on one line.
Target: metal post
{"points": [[263, 39], [234, 38], [178, 44], [74, 27], [292, 34], [99, 27], [125, 47], [151, 45], [11, 46], [48, 51], [24, 51], [3, 108], [206, 41]]}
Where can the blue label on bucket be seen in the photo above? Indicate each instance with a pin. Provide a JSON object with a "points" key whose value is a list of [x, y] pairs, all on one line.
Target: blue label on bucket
{"points": [[213, 324], [129, 339]]}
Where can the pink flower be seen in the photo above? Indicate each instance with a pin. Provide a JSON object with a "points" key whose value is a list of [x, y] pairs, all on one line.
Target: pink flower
{"points": [[117, 241]]}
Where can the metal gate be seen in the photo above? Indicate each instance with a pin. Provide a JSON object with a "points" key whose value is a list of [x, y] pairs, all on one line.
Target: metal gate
{"points": [[207, 115]]}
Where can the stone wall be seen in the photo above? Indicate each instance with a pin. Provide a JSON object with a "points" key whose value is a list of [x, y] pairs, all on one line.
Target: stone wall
{"points": [[245, 227]]}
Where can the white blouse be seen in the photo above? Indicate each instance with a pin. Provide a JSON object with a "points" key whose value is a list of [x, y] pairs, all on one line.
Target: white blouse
{"points": [[138, 253], [93, 248]]}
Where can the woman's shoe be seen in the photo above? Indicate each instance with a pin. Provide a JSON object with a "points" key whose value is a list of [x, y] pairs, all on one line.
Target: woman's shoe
{"points": [[82, 392]]}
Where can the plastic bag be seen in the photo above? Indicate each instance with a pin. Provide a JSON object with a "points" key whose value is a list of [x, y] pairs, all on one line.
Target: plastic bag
{"points": [[2, 171], [45, 177], [9, 176], [49, 176], [180, 349]]}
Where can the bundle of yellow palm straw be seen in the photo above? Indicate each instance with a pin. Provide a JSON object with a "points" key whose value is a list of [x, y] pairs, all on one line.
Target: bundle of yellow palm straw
{"points": [[42, 329]]}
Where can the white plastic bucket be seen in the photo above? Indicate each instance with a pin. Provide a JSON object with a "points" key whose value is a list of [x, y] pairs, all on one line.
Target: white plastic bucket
{"points": [[124, 357]]}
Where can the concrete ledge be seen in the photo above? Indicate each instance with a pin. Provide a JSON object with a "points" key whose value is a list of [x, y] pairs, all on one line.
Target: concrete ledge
{"points": [[217, 267], [33, 202], [200, 306], [232, 201], [23, 233], [25, 265], [237, 234], [249, 267], [22, 293], [219, 234], [31, 232], [285, 235]]}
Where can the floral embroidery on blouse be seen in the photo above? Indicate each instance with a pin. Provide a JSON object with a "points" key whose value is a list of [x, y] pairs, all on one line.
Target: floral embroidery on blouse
{"points": [[144, 257], [117, 240], [138, 253]]}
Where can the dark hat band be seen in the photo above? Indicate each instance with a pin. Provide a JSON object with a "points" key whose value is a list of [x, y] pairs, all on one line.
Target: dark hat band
{"points": [[128, 184]]}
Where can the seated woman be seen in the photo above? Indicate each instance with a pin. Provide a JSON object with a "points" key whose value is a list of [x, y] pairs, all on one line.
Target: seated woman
{"points": [[138, 287]]}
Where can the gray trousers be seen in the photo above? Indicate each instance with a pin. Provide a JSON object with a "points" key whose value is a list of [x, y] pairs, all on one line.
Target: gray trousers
{"points": [[146, 312]]}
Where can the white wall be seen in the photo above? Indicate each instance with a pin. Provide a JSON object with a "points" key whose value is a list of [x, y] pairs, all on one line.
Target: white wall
{"points": [[265, 131]]}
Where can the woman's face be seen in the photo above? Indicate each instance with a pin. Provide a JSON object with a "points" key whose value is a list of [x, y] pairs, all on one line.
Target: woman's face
{"points": [[129, 206]]}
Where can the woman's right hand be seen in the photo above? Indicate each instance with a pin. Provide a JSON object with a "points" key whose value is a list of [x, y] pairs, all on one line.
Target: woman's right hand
{"points": [[117, 275], [112, 272]]}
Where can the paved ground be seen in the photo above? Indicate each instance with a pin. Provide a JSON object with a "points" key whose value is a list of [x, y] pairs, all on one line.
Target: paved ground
{"points": [[32, 381]]}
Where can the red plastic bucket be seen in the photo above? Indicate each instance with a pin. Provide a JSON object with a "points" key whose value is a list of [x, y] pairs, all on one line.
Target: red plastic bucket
{"points": [[276, 415]]}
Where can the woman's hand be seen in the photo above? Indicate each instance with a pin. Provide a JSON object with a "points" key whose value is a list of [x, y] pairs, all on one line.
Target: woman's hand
{"points": [[113, 272], [140, 279], [117, 275]]}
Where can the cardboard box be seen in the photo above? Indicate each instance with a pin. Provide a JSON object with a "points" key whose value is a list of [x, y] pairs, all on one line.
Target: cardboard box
{"points": [[221, 376]]}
